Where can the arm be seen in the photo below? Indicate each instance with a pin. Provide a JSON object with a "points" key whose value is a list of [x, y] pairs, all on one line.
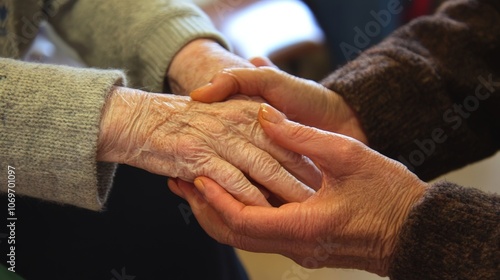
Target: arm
{"points": [[162, 45], [413, 97], [371, 213], [50, 128], [57, 121], [431, 89], [453, 233]]}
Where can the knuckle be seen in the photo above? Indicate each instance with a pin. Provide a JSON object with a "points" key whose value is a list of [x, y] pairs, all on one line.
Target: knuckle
{"points": [[268, 71], [265, 164], [301, 134], [188, 146], [294, 160], [237, 225], [207, 124]]}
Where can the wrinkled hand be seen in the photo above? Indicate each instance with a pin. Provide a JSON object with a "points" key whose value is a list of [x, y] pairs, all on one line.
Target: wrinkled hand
{"points": [[353, 221], [301, 100], [176, 137]]}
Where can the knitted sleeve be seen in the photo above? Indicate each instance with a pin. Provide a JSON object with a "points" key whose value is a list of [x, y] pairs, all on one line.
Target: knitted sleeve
{"points": [[429, 95], [453, 233], [49, 127], [140, 37]]}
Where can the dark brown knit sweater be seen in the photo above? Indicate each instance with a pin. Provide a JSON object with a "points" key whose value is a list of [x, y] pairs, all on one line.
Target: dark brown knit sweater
{"points": [[429, 97]]}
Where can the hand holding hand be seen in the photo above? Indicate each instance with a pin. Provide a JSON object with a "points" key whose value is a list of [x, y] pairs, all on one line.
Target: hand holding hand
{"points": [[353, 221], [176, 137], [301, 100]]}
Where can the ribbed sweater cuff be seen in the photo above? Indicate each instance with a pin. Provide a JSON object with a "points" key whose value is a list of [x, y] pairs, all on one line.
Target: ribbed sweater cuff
{"points": [[452, 234], [170, 36], [385, 94], [50, 127]]}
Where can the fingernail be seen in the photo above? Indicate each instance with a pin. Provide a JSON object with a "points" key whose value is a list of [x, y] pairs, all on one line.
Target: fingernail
{"points": [[201, 89], [270, 114], [199, 185]]}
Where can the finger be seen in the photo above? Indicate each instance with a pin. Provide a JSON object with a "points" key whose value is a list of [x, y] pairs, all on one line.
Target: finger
{"points": [[301, 100], [211, 220], [206, 216], [324, 148], [271, 174], [261, 61], [210, 93], [248, 81], [231, 178], [265, 170], [251, 221], [192, 195], [218, 227], [174, 187], [298, 165]]}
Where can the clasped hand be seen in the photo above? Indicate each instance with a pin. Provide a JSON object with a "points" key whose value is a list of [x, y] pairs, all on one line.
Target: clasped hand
{"points": [[352, 221], [176, 137]]}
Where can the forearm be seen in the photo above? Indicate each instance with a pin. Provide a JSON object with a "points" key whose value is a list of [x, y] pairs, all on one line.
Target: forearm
{"points": [[453, 233], [419, 100], [50, 128]]}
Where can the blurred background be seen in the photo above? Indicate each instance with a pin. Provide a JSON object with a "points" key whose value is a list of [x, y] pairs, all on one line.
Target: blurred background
{"points": [[309, 39]]}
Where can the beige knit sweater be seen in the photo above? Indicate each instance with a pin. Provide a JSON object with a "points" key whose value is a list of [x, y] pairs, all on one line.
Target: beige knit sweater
{"points": [[49, 115]]}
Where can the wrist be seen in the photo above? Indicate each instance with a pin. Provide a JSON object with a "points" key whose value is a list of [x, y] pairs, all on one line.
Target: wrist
{"points": [[345, 119], [196, 64], [128, 119], [406, 203], [117, 111]]}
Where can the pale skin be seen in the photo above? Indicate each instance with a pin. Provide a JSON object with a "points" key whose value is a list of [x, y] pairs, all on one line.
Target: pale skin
{"points": [[173, 136], [353, 221], [176, 137]]}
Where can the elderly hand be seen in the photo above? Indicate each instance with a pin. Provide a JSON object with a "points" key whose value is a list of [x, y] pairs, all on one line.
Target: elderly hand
{"points": [[197, 62], [301, 100], [353, 221], [176, 137]]}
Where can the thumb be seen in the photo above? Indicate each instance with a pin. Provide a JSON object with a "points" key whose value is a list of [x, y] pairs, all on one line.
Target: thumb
{"points": [[220, 88], [246, 81], [261, 61]]}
